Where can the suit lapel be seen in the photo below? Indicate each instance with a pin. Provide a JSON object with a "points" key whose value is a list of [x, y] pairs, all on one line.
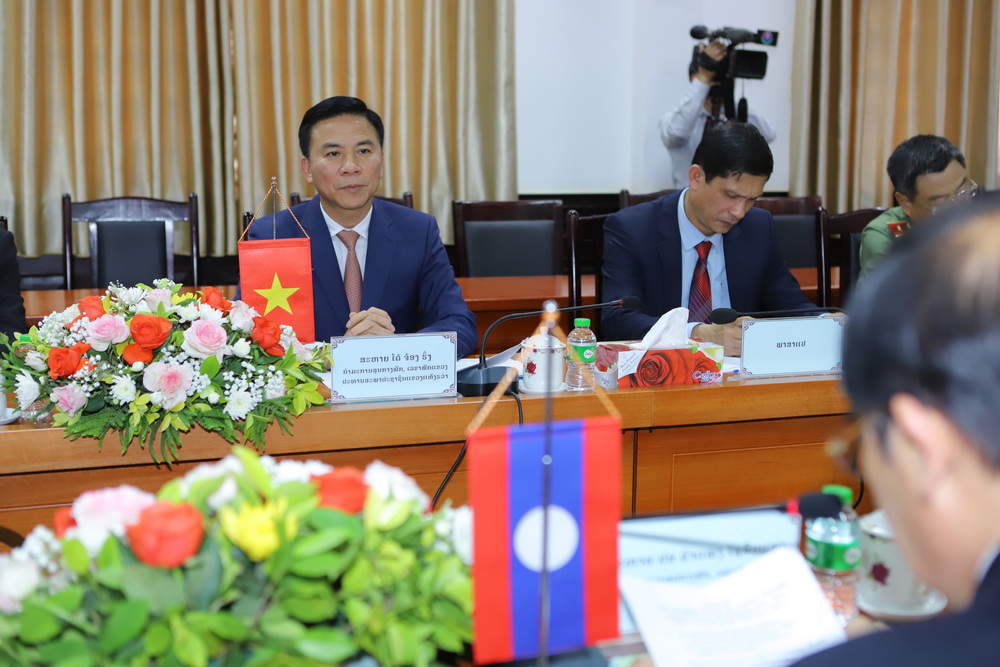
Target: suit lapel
{"points": [[328, 286], [737, 258], [382, 244], [669, 248]]}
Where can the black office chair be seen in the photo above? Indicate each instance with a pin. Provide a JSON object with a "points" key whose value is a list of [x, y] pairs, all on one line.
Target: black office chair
{"points": [[406, 200], [131, 239], [586, 255], [839, 244], [626, 198], [795, 225], [509, 238]]}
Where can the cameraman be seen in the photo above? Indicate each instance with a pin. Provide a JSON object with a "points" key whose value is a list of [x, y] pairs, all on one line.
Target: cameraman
{"points": [[682, 128]]}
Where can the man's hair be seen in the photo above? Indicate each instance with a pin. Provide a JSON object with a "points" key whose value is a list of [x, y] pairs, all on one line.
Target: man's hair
{"points": [[332, 107], [926, 322], [733, 149], [919, 155]]}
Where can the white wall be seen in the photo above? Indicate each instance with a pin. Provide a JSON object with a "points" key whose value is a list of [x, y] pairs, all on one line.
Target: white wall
{"points": [[595, 76]]}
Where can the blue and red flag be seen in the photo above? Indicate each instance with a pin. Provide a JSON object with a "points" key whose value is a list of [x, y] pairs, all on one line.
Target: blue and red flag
{"points": [[506, 493]]}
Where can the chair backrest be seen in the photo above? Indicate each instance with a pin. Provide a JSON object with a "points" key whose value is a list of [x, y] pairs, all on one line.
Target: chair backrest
{"points": [[509, 238], [839, 244], [586, 255], [131, 238], [795, 224], [406, 200], [626, 198], [3, 221]]}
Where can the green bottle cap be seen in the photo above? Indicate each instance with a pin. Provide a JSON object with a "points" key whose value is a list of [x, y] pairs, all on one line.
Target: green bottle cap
{"points": [[845, 494], [581, 322]]}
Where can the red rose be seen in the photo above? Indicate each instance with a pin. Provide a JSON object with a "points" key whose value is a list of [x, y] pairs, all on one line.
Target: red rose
{"points": [[706, 369], [659, 367], [91, 307], [63, 520], [216, 299], [267, 334], [607, 354], [166, 534], [133, 353], [149, 331], [342, 489], [64, 361], [530, 368]]}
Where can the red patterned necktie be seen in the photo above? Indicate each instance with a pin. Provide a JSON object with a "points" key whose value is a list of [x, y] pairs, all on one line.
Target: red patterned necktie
{"points": [[352, 270], [700, 299]]}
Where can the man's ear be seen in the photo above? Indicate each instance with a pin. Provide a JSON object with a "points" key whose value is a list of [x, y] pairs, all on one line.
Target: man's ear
{"points": [[696, 176], [905, 203], [936, 441], [306, 169]]}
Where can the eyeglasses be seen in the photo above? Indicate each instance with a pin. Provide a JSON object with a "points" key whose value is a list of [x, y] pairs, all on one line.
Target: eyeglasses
{"points": [[968, 190], [844, 445]]}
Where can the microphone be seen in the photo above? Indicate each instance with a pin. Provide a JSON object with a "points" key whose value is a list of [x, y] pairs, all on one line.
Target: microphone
{"points": [[699, 32], [480, 380], [727, 315]]}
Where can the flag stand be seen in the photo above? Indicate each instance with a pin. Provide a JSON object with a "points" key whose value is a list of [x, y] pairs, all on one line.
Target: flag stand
{"points": [[550, 329]]}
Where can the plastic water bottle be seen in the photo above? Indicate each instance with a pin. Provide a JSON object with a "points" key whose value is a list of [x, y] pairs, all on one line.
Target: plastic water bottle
{"points": [[833, 549], [581, 353]]}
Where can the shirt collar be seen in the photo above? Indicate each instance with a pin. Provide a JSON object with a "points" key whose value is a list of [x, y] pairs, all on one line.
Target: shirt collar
{"points": [[690, 235], [361, 228]]}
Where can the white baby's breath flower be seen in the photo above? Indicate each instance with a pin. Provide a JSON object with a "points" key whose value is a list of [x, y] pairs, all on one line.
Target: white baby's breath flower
{"points": [[392, 483], [188, 313], [137, 367], [290, 470], [454, 528], [241, 348], [123, 389], [129, 297], [26, 390], [18, 580]]}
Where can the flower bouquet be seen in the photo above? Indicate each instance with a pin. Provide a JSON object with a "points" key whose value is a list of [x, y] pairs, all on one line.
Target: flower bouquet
{"points": [[247, 561], [155, 360]]}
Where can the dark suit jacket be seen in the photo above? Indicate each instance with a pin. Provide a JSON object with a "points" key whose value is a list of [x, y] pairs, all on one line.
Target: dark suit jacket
{"points": [[966, 638], [11, 303], [407, 273], [642, 257]]}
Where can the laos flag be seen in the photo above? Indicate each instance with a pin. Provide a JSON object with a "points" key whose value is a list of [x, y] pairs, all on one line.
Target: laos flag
{"points": [[506, 471]]}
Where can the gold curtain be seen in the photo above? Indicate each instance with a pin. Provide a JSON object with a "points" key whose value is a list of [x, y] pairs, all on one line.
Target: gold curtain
{"points": [[159, 98], [869, 74]]}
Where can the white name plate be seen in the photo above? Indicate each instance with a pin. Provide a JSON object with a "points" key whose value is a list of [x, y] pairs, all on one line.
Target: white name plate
{"points": [[792, 345], [369, 368]]}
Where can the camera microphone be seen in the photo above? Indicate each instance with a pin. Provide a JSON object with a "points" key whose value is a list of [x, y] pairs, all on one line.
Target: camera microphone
{"points": [[699, 32]]}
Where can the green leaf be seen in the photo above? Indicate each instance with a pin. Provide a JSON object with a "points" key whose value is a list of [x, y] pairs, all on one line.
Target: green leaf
{"points": [[76, 556], [254, 470], [109, 564], [154, 585], [319, 565], [38, 625], [63, 650], [157, 639], [401, 640], [322, 541], [68, 599], [204, 575], [276, 624], [313, 609], [124, 624], [327, 645], [210, 366], [188, 647], [221, 623]]}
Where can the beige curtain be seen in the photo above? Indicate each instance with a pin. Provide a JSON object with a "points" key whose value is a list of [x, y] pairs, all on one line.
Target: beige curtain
{"points": [[160, 98], [870, 73]]}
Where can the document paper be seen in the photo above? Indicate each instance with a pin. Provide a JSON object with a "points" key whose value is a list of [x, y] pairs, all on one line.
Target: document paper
{"points": [[771, 612]]}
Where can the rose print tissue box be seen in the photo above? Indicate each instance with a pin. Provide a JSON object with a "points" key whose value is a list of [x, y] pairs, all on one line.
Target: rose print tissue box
{"points": [[665, 356]]}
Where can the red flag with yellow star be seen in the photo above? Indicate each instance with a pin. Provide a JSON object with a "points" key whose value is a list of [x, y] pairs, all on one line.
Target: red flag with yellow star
{"points": [[276, 279]]}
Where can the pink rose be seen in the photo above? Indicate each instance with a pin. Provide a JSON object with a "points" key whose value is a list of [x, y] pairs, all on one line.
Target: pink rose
{"points": [[69, 399], [204, 338], [168, 383], [241, 316], [156, 297], [105, 331], [105, 512]]}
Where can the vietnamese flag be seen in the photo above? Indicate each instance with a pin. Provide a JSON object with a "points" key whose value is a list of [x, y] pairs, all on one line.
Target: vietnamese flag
{"points": [[506, 472], [276, 279]]}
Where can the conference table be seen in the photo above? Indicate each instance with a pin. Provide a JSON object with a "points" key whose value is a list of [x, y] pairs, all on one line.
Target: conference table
{"points": [[488, 298]]}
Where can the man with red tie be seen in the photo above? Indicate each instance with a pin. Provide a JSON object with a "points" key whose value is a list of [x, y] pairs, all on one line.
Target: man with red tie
{"points": [[378, 268], [703, 248]]}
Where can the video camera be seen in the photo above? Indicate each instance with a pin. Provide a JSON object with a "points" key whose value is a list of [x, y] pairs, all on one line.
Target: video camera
{"points": [[738, 63]]}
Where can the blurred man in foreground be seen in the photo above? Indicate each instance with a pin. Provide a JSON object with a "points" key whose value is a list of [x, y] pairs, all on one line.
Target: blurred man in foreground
{"points": [[922, 369]]}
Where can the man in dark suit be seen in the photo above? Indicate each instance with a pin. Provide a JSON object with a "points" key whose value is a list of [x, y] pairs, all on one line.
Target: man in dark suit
{"points": [[654, 250], [378, 268], [11, 303], [922, 370]]}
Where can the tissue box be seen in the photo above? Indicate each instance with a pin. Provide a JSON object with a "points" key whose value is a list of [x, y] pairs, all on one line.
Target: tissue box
{"points": [[622, 364]]}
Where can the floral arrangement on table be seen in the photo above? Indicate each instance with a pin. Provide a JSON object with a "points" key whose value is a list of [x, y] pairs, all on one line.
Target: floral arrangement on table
{"points": [[143, 361], [246, 561]]}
